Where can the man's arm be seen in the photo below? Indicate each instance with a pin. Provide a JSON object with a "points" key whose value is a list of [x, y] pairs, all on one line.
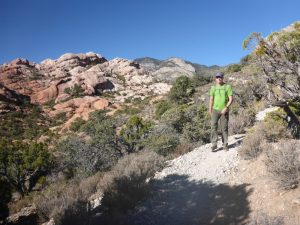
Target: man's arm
{"points": [[211, 103], [230, 99]]}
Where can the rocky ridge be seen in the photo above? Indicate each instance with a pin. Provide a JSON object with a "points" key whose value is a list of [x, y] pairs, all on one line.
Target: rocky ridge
{"points": [[168, 70]]}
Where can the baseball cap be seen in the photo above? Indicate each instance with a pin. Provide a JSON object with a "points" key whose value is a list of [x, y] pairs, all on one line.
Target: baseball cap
{"points": [[219, 74]]}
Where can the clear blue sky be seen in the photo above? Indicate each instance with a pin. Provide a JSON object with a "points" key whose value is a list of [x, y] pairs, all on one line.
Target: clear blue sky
{"points": [[208, 32]]}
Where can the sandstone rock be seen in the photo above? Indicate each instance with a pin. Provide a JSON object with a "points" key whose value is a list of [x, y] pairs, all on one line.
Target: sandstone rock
{"points": [[95, 200], [296, 201], [45, 95], [50, 222], [79, 107]]}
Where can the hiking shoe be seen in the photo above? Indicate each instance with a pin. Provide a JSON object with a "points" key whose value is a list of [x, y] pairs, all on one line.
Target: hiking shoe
{"points": [[213, 148]]}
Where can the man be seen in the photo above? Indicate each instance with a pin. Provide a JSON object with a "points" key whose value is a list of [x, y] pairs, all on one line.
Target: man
{"points": [[220, 100]]}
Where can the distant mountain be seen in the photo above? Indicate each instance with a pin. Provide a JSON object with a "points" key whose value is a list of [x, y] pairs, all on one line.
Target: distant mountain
{"points": [[168, 70]]}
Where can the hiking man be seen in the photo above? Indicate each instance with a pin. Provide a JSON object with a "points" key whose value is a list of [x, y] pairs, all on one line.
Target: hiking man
{"points": [[219, 102]]}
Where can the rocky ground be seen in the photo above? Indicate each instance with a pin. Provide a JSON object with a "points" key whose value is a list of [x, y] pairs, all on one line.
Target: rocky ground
{"points": [[204, 187], [195, 189]]}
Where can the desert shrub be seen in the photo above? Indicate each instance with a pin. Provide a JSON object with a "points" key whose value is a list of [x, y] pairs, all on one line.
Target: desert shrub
{"points": [[127, 183], [253, 90], [295, 107], [245, 60], [22, 164], [182, 90], [134, 131], [175, 117], [234, 68], [275, 126], [251, 147], [201, 79], [197, 127], [102, 131], [277, 55], [58, 119], [27, 123], [162, 139], [244, 118], [128, 110], [182, 149], [79, 157], [64, 202], [76, 125], [161, 108], [75, 91], [283, 162], [67, 201]]}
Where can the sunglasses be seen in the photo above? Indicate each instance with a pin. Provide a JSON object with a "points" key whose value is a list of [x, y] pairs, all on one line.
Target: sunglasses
{"points": [[219, 77]]}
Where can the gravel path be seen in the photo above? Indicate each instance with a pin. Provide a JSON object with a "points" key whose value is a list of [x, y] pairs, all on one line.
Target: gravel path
{"points": [[194, 189]]}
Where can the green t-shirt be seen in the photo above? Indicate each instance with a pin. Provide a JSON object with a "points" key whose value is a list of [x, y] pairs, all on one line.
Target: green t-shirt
{"points": [[220, 94]]}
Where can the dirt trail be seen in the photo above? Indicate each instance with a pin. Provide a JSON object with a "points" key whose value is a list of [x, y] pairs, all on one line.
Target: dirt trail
{"points": [[195, 189]]}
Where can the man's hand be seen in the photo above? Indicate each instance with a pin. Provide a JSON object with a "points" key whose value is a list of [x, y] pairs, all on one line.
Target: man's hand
{"points": [[225, 110]]}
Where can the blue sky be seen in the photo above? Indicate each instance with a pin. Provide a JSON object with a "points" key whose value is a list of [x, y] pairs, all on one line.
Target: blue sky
{"points": [[208, 32]]}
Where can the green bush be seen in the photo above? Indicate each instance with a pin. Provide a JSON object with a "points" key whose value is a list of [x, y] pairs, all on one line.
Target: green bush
{"points": [[22, 164], [175, 117], [133, 133], [234, 68], [197, 127], [182, 90], [76, 125], [201, 79], [246, 60], [76, 91], [162, 144], [275, 126], [161, 108], [27, 123]]}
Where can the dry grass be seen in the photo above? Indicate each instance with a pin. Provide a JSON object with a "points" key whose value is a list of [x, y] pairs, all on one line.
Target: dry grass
{"points": [[183, 149], [127, 183], [239, 122], [251, 147], [66, 202], [283, 162]]}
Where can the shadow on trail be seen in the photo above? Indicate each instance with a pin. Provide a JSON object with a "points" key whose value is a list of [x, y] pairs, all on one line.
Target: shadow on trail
{"points": [[177, 201]]}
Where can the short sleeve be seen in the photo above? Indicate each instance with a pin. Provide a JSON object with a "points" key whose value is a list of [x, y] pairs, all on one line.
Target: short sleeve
{"points": [[211, 93], [229, 91]]}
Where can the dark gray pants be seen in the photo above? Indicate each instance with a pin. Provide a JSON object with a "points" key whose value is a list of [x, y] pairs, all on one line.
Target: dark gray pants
{"points": [[215, 117]]}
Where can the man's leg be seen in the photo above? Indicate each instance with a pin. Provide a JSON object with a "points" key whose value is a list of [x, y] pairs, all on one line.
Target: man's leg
{"points": [[214, 128], [224, 127]]}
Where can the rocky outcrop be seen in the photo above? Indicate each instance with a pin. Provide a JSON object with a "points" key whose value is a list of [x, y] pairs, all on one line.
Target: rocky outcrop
{"points": [[90, 72], [79, 108], [174, 68], [69, 63], [27, 215], [168, 70]]}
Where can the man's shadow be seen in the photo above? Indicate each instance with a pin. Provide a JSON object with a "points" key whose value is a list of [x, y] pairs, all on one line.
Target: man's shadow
{"points": [[176, 200]]}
